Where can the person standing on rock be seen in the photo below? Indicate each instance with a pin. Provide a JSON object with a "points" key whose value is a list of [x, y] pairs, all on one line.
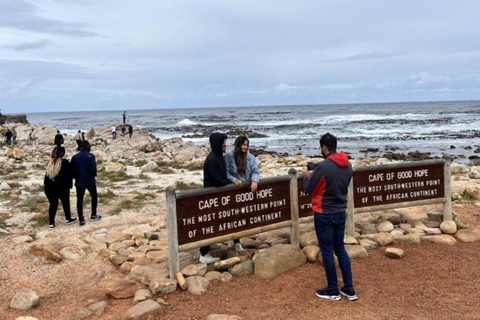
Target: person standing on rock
{"points": [[84, 171], [130, 130], [8, 136], [124, 116], [214, 175], [328, 185], [242, 166], [114, 131], [58, 139], [78, 139], [57, 184]]}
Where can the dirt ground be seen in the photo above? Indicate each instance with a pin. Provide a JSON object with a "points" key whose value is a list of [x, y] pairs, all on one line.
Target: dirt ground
{"points": [[432, 281]]}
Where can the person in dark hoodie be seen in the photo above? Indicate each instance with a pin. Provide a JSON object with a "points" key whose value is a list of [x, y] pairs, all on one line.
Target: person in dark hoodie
{"points": [[84, 170], [57, 185], [58, 139], [214, 175], [328, 185]]}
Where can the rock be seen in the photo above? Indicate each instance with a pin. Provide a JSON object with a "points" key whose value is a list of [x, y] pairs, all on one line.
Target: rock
{"points": [[277, 260], [448, 227], [394, 253], [369, 229], [26, 318], [142, 295], [384, 226], [308, 238], [5, 186], [468, 235], [182, 283], [226, 277], [72, 253], [432, 224], [432, 231], [122, 289], [197, 285], [116, 237], [98, 308], [162, 285], [3, 232], [419, 225], [411, 238], [442, 239], [222, 317], [25, 299], [146, 273], [190, 271], [43, 253], [115, 167], [213, 275], [384, 239], [397, 233], [144, 310], [22, 239], [158, 256], [368, 244], [149, 167], [311, 252], [243, 268], [83, 313], [117, 246], [118, 260], [435, 215], [356, 251], [226, 264], [349, 240]]}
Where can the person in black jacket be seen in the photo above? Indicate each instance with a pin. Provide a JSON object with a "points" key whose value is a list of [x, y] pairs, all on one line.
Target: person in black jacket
{"points": [[84, 168], [58, 139], [214, 175], [328, 185], [57, 185]]}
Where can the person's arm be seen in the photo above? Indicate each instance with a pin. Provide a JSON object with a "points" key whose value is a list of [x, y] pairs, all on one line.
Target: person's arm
{"points": [[69, 172], [73, 168], [311, 180], [255, 173], [93, 166], [216, 176], [230, 170]]}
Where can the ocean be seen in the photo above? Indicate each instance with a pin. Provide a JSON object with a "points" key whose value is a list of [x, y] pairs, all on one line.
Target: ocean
{"points": [[436, 127]]}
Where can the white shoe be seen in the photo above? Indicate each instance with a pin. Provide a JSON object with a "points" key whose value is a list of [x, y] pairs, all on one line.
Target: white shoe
{"points": [[238, 247], [207, 259]]}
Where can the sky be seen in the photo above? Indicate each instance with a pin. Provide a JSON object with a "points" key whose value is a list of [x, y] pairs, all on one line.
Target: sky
{"points": [[71, 55]]}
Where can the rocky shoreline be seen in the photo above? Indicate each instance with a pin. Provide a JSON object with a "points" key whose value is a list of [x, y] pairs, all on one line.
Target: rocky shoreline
{"points": [[126, 253]]}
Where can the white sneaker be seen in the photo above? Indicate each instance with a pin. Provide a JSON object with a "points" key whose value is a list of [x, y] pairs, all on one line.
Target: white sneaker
{"points": [[207, 259], [238, 247]]}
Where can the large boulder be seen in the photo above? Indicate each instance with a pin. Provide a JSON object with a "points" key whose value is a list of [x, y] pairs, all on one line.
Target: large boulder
{"points": [[122, 289], [45, 135], [145, 310], [25, 299], [43, 253], [197, 285], [468, 235], [277, 260]]}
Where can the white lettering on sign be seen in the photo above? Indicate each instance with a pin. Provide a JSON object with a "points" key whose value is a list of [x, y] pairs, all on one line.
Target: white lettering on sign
{"points": [[421, 173], [265, 193], [375, 177], [242, 197], [209, 203]]}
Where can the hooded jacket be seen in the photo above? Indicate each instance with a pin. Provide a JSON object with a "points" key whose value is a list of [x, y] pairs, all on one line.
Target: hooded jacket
{"points": [[328, 184], [214, 169], [84, 168]]}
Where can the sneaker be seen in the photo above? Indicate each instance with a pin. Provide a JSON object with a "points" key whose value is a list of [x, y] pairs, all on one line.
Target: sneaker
{"points": [[52, 226], [82, 223], [71, 220], [349, 293], [207, 259], [329, 294], [96, 217], [238, 247]]}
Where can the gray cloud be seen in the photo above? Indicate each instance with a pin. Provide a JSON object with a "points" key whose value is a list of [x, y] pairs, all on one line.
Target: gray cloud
{"points": [[30, 45], [368, 56], [22, 15]]}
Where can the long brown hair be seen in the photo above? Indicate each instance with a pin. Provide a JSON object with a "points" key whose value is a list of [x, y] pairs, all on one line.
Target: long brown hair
{"points": [[54, 165], [240, 157]]}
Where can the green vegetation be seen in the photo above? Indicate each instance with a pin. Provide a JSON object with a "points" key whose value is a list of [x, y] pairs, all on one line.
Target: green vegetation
{"points": [[107, 197], [3, 224], [192, 166], [141, 163], [114, 176], [144, 177], [124, 205], [34, 188], [35, 203], [470, 195], [141, 197], [40, 219], [14, 185], [180, 185]]}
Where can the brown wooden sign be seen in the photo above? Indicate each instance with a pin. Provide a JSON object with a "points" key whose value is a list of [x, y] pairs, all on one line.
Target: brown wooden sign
{"points": [[396, 185], [304, 201], [217, 214]]}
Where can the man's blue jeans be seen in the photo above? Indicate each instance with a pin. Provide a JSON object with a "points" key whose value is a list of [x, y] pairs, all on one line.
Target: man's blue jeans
{"points": [[330, 230]]}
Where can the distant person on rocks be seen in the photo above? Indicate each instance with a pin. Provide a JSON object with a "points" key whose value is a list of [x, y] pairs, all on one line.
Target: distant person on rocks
{"points": [[8, 136], [242, 166], [84, 171], [130, 131], [123, 131], [14, 136], [328, 185], [78, 139], [58, 139], [31, 135], [124, 116], [114, 131], [83, 136], [57, 184], [214, 175]]}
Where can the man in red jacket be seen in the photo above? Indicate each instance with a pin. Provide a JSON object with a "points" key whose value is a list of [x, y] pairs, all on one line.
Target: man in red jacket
{"points": [[328, 185]]}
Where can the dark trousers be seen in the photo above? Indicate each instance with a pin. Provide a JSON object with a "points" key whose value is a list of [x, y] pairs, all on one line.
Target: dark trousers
{"points": [[53, 196], [114, 135], [206, 249], [330, 230], [92, 189]]}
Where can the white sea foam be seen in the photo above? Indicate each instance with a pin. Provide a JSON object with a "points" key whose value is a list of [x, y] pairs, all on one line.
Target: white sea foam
{"points": [[186, 122]]}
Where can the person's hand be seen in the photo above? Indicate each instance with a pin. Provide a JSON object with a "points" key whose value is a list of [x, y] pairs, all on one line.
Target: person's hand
{"points": [[238, 183], [254, 186], [305, 172]]}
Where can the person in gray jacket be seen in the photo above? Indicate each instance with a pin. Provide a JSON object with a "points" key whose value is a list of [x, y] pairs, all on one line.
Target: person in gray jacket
{"points": [[242, 166]]}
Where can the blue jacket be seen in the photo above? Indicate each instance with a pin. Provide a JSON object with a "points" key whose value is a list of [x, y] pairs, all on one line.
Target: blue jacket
{"points": [[251, 171], [84, 168]]}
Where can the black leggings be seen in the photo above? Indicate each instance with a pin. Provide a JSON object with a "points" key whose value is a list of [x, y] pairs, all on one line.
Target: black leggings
{"points": [[92, 189], [53, 197], [206, 249]]}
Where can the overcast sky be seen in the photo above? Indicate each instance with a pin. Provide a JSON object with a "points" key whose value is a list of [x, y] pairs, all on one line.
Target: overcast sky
{"points": [[65, 55]]}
